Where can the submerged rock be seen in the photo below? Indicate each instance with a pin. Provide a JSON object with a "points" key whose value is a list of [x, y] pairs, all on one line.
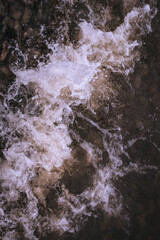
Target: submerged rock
{"points": [[79, 176], [5, 51], [2, 9], [7, 77], [87, 131], [52, 199], [142, 199], [144, 152]]}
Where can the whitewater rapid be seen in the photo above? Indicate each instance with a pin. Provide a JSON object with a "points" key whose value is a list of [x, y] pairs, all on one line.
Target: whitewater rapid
{"points": [[37, 115]]}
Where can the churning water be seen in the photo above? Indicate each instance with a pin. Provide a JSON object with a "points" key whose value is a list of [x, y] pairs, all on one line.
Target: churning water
{"points": [[59, 162]]}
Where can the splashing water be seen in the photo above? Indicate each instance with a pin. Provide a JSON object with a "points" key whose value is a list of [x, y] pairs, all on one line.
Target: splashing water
{"points": [[46, 144]]}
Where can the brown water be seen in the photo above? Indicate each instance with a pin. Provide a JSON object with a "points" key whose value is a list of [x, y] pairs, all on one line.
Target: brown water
{"points": [[81, 132]]}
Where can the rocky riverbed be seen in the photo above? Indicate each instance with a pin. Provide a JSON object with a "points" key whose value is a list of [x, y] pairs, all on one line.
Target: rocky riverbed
{"points": [[80, 132]]}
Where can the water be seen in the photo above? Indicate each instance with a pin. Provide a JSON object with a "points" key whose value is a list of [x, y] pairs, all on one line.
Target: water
{"points": [[60, 161]]}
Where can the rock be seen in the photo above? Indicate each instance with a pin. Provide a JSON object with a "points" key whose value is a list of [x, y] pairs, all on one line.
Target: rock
{"points": [[80, 11], [101, 227], [75, 32], [87, 131], [5, 50], [105, 159], [52, 4], [79, 176], [144, 152], [105, 115], [52, 199], [82, 109], [76, 182], [41, 209], [2, 10], [19, 101], [22, 201], [12, 29], [29, 33], [16, 9], [2, 142], [33, 57], [100, 2], [129, 5], [23, 101], [2, 146], [51, 236], [27, 15], [140, 193], [43, 12], [7, 77], [116, 15]]}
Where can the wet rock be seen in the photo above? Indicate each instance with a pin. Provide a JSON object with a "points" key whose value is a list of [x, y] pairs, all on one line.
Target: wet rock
{"points": [[3, 141], [52, 4], [29, 33], [7, 77], [22, 201], [2, 146], [33, 108], [102, 227], [80, 11], [74, 32], [5, 50], [43, 12], [20, 15], [116, 15], [35, 49], [140, 193], [87, 132], [77, 183], [51, 236], [23, 22], [129, 5], [26, 15], [117, 8], [105, 115], [52, 199], [12, 29], [41, 210], [16, 58], [82, 109], [133, 106], [33, 58], [105, 159], [2, 157], [101, 2], [2, 9], [24, 101], [13, 206], [16, 9], [144, 152], [19, 101], [79, 176], [20, 232]]}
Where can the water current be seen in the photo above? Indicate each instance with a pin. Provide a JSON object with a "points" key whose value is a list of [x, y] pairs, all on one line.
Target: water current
{"points": [[61, 159]]}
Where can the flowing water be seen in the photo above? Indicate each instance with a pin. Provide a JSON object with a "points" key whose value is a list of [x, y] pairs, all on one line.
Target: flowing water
{"points": [[61, 158]]}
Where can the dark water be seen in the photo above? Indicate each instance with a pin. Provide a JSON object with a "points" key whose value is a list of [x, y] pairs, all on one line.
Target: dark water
{"points": [[80, 120]]}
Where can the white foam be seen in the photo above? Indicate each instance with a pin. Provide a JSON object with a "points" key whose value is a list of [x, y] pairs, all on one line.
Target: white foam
{"points": [[116, 49]]}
